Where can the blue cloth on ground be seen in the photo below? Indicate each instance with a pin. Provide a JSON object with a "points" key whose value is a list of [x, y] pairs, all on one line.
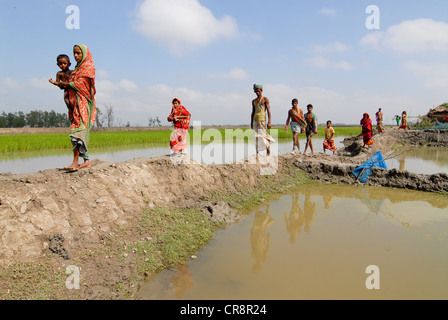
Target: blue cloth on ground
{"points": [[363, 172]]}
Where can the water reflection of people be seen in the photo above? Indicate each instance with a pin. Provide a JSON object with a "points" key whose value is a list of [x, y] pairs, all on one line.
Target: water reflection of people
{"points": [[296, 219], [182, 281], [402, 163], [310, 212], [259, 238], [328, 198]]}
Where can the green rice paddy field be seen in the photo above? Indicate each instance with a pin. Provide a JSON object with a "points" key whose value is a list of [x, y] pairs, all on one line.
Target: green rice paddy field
{"points": [[20, 143]]}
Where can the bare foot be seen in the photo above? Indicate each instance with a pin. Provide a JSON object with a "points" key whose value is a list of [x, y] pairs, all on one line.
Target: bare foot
{"points": [[72, 167], [86, 164]]}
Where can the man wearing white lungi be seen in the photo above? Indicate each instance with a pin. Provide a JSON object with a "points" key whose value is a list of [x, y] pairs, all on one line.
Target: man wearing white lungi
{"points": [[260, 106]]}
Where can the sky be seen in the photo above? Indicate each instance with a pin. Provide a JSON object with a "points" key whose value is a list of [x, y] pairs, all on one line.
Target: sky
{"points": [[343, 57]]}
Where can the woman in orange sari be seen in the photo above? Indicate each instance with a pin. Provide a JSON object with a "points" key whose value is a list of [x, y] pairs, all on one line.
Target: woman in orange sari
{"points": [[82, 105], [367, 130], [181, 120]]}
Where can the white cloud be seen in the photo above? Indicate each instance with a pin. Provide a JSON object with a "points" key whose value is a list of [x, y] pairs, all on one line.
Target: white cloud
{"points": [[42, 84], [413, 36], [328, 12], [435, 75], [234, 107], [182, 24], [339, 107], [102, 74], [11, 83], [323, 63], [235, 74], [8, 84], [334, 47], [105, 86], [128, 86]]}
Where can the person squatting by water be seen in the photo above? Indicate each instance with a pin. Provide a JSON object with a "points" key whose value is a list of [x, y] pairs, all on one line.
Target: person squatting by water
{"points": [[295, 116], [311, 128], [63, 62], [81, 105], [181, 121], [367, 130], [329, 139], [261, 106]]}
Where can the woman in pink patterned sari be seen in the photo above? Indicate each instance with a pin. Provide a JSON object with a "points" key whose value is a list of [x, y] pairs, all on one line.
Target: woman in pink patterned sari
{"points": [[82, 105], [181, 120]]}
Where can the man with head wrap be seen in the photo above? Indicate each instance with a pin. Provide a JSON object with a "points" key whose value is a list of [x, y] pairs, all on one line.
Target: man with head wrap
{"points": [[261, 106]]}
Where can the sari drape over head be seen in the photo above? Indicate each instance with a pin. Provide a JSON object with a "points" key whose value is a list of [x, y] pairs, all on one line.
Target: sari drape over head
{"points": [[178, 141], [404, 121], [367, 129], [82, 104]]}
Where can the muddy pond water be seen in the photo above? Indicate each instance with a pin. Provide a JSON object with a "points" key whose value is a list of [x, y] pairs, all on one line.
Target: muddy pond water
{"points": [[418, 160], [314, 243], [318, 242]]}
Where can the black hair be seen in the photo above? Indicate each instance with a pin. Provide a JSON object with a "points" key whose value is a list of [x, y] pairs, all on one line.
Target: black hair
{"points": [[63, 56], [310, 105], [329, 121], [295, 100]]}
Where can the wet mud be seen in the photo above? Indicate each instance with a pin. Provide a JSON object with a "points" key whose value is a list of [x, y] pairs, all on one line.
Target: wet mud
{"points": [[64, 213]]}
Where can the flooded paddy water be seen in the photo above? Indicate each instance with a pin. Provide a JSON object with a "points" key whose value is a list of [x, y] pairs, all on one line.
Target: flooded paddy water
{"points": [[317, 243], [419, 160], [314, 243]]}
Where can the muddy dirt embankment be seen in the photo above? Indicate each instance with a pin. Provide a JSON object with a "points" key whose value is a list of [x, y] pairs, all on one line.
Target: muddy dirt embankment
{"points": [[329, 170], [57, 213], [91, 203]]}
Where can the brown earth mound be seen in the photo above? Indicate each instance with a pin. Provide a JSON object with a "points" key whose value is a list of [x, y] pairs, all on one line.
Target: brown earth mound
{"points": [[66, 213]]}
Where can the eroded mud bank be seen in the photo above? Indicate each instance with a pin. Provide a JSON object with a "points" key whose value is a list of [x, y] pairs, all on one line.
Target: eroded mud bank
{"points": [[87, 206]]}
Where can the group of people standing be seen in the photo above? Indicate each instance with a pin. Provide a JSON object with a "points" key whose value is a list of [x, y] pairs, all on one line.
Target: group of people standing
{"points": [[300, 123], [79, 96], [261, 122], [404, 121], [367, 125], [307, 123]]}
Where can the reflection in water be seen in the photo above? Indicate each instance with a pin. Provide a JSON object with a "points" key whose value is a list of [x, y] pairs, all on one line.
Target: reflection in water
{"points": [[260, 238], [182, 281], [418, 160], [301, 219], [423, 160], [402, 163], [316, 243], [294, 223]]}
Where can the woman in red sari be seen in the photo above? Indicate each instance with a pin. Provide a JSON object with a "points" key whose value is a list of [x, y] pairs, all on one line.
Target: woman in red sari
{"points": [[367, 130], [82, 105], [181, 119]]}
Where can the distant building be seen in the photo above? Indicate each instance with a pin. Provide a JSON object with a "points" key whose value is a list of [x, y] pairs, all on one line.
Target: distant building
{"points": [[440, 113]]}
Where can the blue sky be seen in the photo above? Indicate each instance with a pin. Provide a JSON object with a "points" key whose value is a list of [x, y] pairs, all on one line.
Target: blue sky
{"points": [[209, 53]]}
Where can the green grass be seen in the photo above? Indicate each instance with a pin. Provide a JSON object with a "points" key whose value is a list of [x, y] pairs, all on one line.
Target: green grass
{"points": [[176, 235], [31, 281], [13, 144]]}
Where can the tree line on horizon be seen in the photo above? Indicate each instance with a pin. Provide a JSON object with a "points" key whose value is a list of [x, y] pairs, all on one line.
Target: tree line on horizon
{"points": [[34, 119], [52, 119]]}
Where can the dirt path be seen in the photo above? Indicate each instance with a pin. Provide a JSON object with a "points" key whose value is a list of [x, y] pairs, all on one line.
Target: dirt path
{"points": [[61, 215]]}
